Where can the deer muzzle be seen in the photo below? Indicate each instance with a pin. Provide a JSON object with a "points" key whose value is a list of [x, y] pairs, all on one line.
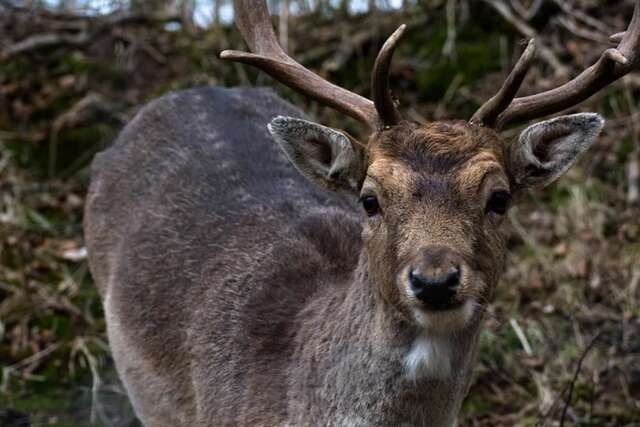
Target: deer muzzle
{"points": [[434, 278]]}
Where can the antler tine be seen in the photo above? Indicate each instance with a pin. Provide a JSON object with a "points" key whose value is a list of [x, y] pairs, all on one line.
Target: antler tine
{"points": [[617, 37], [254, 23], [380, 89], [612, 65], [488, 113]]}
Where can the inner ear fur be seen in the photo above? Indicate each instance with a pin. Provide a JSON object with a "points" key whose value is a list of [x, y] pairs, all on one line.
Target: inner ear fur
{"points": [[546, 150], [330, 158]]}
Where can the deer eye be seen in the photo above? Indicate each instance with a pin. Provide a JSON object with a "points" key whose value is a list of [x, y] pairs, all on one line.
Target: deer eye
{"points": [[370, 205], [498, 202]]}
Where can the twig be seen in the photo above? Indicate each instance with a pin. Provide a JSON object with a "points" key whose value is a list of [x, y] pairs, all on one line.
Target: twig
{"points": [[7, 371], [521, 336], [350, 44], [633, 167], [35, 357], [145, 47], [545, 53], [449, 47], [578, 14], [101, 24], [41, 41], [529, 13], [91, 103], [567, 402], [449, 95], [529, 240], [569, 23], [283, 25]]}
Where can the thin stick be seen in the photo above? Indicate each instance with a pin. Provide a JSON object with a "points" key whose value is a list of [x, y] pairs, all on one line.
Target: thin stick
{"points": [[521, 336], [567, 402]]}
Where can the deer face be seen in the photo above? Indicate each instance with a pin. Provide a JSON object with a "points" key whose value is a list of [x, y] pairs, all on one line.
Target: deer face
{"points": [[435, 197], [434, 200]]}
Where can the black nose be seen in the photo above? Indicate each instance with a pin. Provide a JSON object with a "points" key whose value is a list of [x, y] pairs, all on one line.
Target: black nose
{"points": [[448, 280], [435, 288]]}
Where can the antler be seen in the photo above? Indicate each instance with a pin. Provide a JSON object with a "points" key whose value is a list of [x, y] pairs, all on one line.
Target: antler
{"points": [[254, 23], [382, 98], [489, 112], [612, 65]]}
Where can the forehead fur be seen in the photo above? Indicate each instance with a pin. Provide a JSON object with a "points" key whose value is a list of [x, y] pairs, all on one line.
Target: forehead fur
{"points": [[453, 153], [438, 147]]}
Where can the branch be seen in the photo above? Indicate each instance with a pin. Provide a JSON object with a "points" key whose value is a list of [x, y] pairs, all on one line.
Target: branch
{"points": [[567, 402], [546, 54], [101, 25]]}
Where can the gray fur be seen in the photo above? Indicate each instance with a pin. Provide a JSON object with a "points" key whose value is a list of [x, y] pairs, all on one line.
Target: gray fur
{"points": [[235, 292], [561, 140]]}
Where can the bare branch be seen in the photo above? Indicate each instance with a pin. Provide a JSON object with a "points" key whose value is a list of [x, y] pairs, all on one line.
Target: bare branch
{"points": [[525, 29], [100, 25], [586, 351], [42, 41], [529, 13], [579, 15]]}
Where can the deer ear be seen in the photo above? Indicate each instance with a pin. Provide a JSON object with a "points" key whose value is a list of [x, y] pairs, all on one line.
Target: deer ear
{"points": [[546, 150], [323, 155]]}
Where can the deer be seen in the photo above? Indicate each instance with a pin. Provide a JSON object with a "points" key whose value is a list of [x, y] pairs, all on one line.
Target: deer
{"points": [[258, 268]]}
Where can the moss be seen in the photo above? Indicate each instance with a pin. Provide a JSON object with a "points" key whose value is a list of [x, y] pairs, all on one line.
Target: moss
{"points": [[632, 250], [102, 72], [41, 402], [476, 405], [477, 54], [559, 196], [22, 152], [570, 351], [54, 108], [15, 69], [69, 149], [612, 103], [493, 347], [61, 326], [49, 407], [625, 148], [76, 64], [38, 222]]}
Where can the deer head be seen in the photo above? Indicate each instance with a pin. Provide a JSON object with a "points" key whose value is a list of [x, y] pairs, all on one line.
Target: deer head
{"points": [[434, 195]]}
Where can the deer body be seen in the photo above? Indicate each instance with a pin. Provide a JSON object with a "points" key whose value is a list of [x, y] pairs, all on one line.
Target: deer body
{"points": [[238, 294]]}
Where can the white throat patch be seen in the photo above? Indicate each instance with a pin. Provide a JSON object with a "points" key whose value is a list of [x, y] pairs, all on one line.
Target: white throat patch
{"points": [[429, 357]]}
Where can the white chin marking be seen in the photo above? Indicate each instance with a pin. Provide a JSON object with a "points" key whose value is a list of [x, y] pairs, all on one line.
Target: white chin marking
{"points": [[430, 353], [429, 357]]}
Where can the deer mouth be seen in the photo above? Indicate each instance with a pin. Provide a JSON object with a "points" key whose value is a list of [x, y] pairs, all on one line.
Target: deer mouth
{"points": [[454, 315], [442, 305]]}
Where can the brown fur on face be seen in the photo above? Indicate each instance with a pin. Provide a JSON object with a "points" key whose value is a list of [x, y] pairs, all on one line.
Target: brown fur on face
{"points": [[432, 182]]}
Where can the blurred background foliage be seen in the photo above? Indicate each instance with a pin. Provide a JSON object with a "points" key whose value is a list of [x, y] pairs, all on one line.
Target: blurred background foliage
{"points": [[561, 345]]}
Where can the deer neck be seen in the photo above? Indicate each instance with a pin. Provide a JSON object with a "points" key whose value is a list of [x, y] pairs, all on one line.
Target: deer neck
{"points": [[365, 352]]}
